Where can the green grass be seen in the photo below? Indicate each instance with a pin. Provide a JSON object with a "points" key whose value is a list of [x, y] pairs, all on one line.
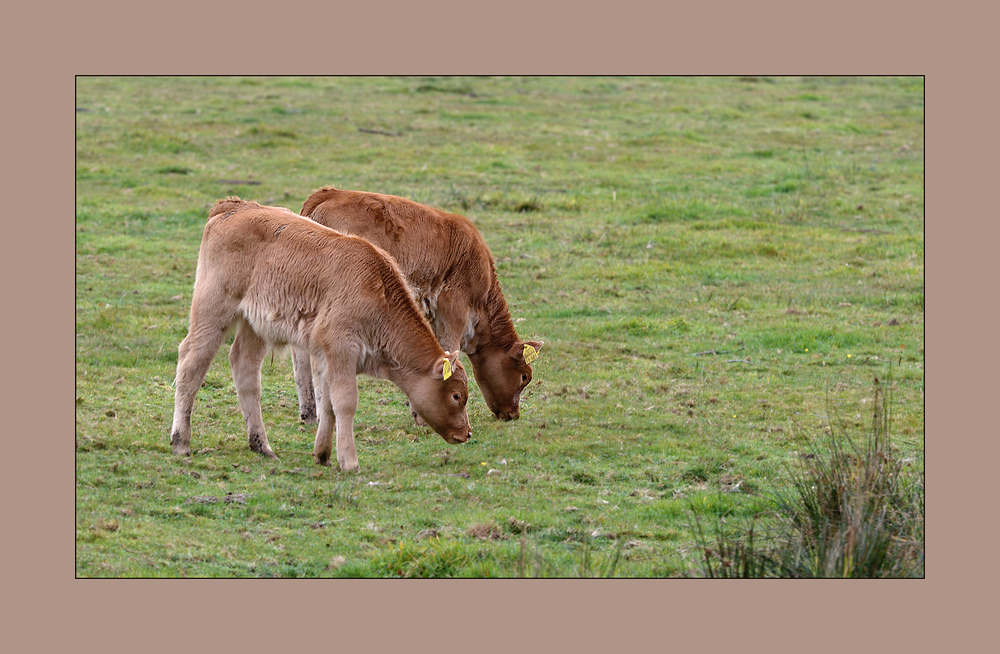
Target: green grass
{"points": [[714, 265]]}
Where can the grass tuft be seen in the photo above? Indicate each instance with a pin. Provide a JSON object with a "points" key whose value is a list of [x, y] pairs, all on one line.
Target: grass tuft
{"points": [[854, 511]]}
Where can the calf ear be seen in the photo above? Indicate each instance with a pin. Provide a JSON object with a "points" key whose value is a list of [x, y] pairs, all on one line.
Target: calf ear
{"points": [[526, 351], [445, 367]]}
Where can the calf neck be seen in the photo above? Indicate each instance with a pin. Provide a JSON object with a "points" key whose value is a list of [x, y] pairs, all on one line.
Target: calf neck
{"points": [[279, 279]]}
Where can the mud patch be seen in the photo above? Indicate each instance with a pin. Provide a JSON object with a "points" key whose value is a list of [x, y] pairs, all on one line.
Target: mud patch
{"points": [[228, 498], [486, 531]]}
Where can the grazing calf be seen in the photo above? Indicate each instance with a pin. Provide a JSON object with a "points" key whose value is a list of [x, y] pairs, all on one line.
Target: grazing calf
{"points": [[280, 279], [453, 275]]}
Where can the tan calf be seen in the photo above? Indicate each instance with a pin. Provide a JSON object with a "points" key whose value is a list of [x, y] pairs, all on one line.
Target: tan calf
{"points": [[453, 275], [279, 279]]}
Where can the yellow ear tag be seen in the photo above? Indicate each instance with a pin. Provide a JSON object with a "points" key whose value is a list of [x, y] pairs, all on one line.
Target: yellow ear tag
{"points": [[530, 353], [447, 369]]}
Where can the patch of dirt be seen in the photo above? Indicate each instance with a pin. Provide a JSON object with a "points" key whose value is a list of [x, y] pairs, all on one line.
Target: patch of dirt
{"points": [[517, 526], [644, 493], [486, 531], [108, 525], [228, 498]]}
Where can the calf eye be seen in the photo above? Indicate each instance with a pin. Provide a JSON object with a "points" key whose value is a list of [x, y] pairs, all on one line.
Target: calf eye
{"points": [[457, 397], [524, 379]]}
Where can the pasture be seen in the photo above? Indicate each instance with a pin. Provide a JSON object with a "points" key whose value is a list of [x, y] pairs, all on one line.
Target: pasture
{"points": [[719, 268]]}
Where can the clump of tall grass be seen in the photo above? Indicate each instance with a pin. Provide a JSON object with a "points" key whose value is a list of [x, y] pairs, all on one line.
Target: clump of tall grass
{"points": [[852, 511], [732, 557], [532, 562]]}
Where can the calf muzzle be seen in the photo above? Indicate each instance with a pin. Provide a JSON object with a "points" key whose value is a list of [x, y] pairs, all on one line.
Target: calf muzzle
{"points": [[457, 437], [513, 414]]}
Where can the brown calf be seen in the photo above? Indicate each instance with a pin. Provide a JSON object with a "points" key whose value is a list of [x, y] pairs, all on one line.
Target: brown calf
{"points": [[281, 279], [453, 275]]}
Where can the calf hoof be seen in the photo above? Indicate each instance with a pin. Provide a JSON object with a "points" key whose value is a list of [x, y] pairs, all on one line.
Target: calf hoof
{"points": [[349, 466], [260, 445], [307, 413], [322, 459], [179, 448]]}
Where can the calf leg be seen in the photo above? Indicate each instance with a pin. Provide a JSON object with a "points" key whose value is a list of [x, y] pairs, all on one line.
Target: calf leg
{"points": [[337, 396], [194, 356], [304, 386], [323, 446], [449, 320], [318, 370], [344, 400], [245, 358]]}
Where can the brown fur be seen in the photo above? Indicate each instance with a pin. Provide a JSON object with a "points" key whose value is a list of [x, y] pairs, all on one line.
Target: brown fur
{"points": [[281, 279], [453, 276]]}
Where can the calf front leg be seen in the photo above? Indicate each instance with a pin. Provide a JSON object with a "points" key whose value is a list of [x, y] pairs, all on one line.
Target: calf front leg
{"points": [[344, 399], [451, 321], [338, 405], [245, 358], [337, 395], [304, 386], [323, 446]]}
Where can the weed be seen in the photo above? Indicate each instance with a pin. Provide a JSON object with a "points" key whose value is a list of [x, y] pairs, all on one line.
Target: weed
{"points": [[732, 556], [533, 562], [854, 511]]}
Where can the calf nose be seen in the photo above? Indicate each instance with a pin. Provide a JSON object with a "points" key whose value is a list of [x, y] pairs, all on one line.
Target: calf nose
{"points": [[513, 414]]}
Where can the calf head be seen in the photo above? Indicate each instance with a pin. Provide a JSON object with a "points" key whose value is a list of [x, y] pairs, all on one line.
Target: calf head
{"points": [[438, 399], [502, 374]]}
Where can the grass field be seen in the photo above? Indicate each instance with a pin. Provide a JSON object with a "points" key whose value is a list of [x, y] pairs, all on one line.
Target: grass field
{"points": [[719, 268]]}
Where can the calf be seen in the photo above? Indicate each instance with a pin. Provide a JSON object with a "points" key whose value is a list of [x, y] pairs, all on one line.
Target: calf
{"points": [[453, 275], [280, 279]]}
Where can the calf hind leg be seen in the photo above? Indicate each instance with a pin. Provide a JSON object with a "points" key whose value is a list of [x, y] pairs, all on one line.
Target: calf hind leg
{"points": [[245, 358], [194, 356]]}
